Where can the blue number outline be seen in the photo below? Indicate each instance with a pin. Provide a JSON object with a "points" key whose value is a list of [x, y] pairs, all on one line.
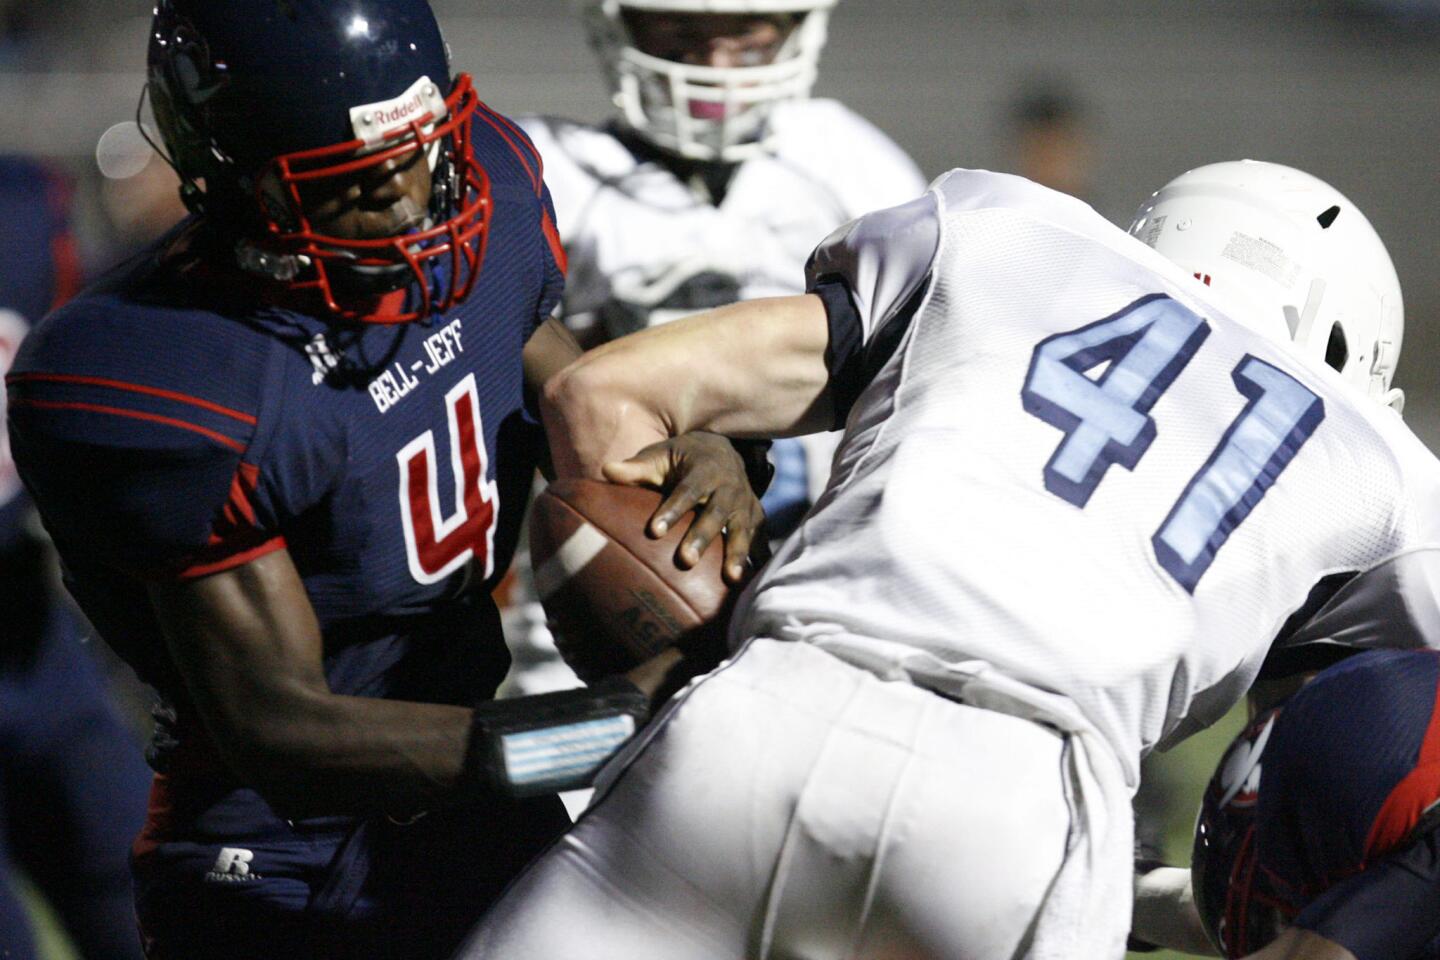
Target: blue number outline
{"points": [[1188, 574], [1114, 350]]}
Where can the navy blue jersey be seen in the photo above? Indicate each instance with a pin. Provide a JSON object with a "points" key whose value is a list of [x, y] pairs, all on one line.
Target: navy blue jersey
{"points": [[170, 422], [1346, 816], [41, 270], [1324, 813]]}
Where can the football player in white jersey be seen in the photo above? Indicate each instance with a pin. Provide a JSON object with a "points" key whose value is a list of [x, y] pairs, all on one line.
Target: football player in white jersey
{"points": [[1081, 495], [712, 183]]}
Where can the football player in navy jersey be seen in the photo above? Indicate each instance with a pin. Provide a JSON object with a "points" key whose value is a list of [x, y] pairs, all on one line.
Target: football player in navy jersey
{"points": [[284, 454], [1317, 838], [72, 781]]}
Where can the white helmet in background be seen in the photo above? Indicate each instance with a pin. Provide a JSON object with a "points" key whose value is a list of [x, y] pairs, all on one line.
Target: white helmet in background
{"points": [[705, 112], [1282, 244]]}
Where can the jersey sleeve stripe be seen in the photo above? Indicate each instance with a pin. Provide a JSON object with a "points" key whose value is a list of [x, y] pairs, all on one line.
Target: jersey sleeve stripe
{"points": [[132, 414], [552, 236], [233, 560], [71, 378], [522, 136], [494, 120]]}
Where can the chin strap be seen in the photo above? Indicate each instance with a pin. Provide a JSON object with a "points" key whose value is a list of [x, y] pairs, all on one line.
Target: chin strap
{"points": [[268, 264]]}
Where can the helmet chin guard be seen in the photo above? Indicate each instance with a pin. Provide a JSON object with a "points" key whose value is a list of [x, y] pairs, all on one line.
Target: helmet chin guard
{"points": [[715, 114], [1291, 257]]}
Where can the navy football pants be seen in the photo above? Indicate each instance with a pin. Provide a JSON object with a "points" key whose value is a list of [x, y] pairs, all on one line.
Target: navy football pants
{"points": [[378, 891]]}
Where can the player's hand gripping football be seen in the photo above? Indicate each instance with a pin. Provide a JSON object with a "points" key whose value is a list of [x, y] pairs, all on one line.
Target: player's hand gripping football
{"points": [[701, 472]]}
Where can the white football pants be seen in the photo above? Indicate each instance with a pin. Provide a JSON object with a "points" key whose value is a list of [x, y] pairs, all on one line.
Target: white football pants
{"points": [[793, 807]]}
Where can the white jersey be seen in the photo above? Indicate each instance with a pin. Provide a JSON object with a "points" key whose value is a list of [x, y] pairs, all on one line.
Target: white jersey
{"points": [[1070, 484], [645, 246]]}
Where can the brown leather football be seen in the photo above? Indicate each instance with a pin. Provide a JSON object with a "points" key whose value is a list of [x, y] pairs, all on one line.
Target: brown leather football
{"points": [[613, 594]]}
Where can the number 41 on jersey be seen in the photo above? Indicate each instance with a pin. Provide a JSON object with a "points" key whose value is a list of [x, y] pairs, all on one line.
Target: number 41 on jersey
{"points": [[1106, 420]]}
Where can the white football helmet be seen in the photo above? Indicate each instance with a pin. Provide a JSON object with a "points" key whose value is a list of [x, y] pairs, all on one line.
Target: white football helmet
{"points": [[704, 112], [1284, 246]]}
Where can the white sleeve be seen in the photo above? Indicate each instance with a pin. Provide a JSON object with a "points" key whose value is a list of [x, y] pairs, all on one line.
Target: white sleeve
{"points": [[882, 259], [1395, 605], [871, 275]]}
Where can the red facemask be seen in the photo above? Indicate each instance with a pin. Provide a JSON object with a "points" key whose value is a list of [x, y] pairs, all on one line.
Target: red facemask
{"points": [[440, 260]]}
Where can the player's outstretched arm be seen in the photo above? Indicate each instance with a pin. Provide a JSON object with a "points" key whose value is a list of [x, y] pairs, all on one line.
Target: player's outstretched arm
{"points": [[708, 474], [754, 369], [247, 643], [1164, 913]]}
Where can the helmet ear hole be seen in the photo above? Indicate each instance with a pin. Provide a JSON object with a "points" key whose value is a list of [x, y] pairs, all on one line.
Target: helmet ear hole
{"points": [[1337, 351]]}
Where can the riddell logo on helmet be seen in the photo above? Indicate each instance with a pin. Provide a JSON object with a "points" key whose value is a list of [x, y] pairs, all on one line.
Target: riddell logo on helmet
{"points": [[373, 122], [400, 113]]}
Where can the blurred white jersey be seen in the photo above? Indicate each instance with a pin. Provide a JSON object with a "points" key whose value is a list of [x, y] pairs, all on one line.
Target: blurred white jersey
{"points": [[1072, 488], [646, 246]]}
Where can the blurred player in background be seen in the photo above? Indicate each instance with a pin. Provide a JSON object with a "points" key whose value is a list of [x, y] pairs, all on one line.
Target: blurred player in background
{"points": [[1317, 839], [1083, 490], [712, 183], [1051, 140], [72, 780], [284, 454]]}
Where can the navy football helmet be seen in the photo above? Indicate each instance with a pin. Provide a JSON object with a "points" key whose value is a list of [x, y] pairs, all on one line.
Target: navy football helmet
{"points": [[1230, 891], [261, 102]]}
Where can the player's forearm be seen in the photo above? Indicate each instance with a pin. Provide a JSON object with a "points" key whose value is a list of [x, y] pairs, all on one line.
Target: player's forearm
{"points": [[249, 647], [320, 753], [753, 369], [1165, 914], [341, 754]]}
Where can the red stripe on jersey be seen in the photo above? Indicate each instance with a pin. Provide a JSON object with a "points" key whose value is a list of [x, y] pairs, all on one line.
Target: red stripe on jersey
{"points": [[494, 119], [235, 445], [232, 561], [1411, 796], [132, 388], [238, 509], [514, 128], [552, 236]]}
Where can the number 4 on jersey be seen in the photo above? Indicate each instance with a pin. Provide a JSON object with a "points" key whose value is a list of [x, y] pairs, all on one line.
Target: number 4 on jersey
{"points": [[1107, 421], [436, 545]]}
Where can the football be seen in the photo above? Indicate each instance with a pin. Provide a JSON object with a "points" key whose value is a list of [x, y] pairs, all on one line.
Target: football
{"points": [[613, 594]]}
